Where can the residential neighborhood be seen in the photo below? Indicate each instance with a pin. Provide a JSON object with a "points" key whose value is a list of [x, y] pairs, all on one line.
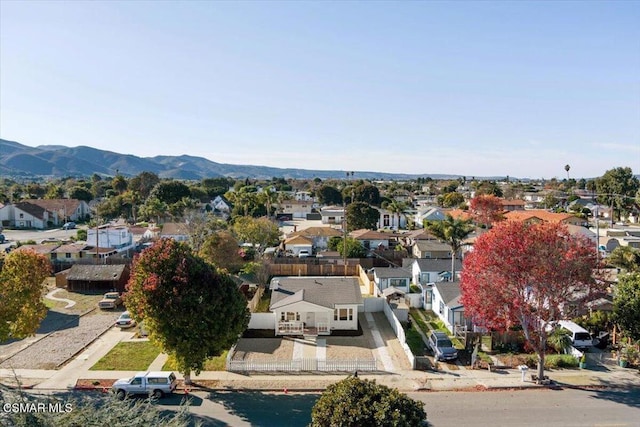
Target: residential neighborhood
{"points": [[319, 214], [354, 294]]}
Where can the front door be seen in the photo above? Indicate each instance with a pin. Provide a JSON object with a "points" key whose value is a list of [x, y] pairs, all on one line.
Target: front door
{"points": [[311, 320]]}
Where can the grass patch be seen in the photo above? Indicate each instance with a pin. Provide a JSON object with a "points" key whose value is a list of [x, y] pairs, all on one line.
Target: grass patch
{"points": [[128, 356], [560, 361], [415, 289], [84, 302], [53, 304], [414, 341], [417, 319], [265, 301], [214, 364]]}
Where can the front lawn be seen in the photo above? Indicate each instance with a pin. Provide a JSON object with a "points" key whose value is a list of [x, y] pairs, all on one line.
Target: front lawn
{"points": [[263, 304], [414, 341], [128, 356], [214, 364]]}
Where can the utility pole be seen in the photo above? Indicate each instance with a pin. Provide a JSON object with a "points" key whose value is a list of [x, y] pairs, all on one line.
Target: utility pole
{"points": [[344, 240]]}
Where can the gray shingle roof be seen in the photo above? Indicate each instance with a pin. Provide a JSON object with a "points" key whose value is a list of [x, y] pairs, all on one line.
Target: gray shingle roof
{"points": [[323, 291], [450, 293], [95, 272], [438, 264], [391, 272]]}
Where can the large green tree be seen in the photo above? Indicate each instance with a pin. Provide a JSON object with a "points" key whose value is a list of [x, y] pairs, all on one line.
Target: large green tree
{"points": [[329, 195], [143, 183], [452, 231], [170, 191], [362, 215], [192, 311], [80, 193], [222, 250], [626, 304], [354, 248], [354, 402], [21, 287], [260, 231], [625, 257], [618, 188], [367, 193]]}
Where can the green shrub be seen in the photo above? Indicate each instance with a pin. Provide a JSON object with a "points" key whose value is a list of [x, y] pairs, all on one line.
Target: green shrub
{"points": [[560, 361]]}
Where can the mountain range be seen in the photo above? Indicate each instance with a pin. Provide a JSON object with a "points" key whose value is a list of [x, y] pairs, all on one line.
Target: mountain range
{"points": [[20, 161]]}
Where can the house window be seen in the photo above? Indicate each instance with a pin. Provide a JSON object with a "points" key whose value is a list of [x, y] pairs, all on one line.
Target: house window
{"points": [[441, 307], [343, 314], [67, 255], [289, 316], [54, 255], [398, 282], [385, 221], [21, 215]]}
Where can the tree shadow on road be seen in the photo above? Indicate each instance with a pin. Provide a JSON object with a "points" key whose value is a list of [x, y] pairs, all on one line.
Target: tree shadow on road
{"points": [[268, 409], [55, 321]]}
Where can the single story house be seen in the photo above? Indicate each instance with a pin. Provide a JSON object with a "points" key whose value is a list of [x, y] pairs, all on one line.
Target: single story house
{"points": [[332, 214], [104, 278], [319, 236], [296, 244], [428, 213], [431, 270], [371, 239], [177, 231], [386, 277], [541, 215], [315, 305], [447, 306]]}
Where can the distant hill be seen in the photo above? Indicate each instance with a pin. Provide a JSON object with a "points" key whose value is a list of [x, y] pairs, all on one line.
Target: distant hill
{"points": [[17, 160]]}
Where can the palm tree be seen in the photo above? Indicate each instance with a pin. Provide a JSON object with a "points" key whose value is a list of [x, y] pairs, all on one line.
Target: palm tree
{"points": [[567, 167], [268, 197], [452, 231], [398, 209]]}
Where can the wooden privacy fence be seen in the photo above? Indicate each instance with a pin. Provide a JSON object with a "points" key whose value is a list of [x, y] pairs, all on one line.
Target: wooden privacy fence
{"points": [[302, 365], [312, 270]]}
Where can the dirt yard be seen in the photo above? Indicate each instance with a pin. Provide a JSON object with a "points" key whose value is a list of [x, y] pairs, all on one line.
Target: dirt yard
{"points": [[263, 349], [345, 348]]}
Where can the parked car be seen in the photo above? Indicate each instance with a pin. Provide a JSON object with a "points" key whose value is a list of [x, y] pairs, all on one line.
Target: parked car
{"points": [[155, 384], [304, 253], [442, 346], [110, 300], [69, 225], [125, 321]]}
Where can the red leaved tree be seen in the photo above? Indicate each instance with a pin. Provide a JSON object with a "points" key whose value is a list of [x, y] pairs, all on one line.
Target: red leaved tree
{"points": [[486, 209], [528, 274]]}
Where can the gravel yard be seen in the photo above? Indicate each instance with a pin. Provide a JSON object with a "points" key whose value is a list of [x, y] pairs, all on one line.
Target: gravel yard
{"points": [[55, 349], [348, 348], [263, 349]]}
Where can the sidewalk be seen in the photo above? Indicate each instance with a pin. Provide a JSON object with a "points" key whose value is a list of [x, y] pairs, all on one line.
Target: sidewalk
{"points": [[406, 381]]}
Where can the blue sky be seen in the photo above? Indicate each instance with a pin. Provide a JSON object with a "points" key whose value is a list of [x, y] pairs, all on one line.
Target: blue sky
{"points": [[470, 88]]}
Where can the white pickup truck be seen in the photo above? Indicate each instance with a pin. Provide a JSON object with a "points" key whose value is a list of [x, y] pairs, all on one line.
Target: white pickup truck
{"points": [[155, 384]]}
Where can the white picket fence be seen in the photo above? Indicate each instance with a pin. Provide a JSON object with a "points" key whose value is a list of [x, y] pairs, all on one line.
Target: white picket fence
{"points": [[302, 365]]}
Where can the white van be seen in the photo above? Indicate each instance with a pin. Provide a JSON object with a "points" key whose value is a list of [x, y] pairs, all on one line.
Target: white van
{"points": [[580, 337]]}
